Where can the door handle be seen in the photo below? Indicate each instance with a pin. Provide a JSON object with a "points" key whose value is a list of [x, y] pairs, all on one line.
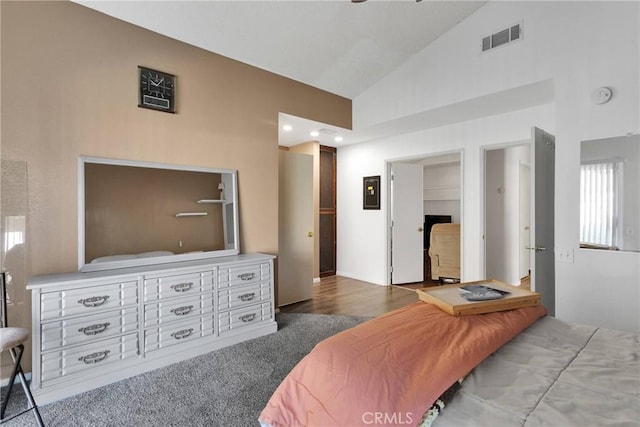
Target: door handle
{"points": [[536, 248], [309, 233], [420, 229]]}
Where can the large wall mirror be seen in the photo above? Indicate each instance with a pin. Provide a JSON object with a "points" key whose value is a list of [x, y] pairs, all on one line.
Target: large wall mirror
{"points": [[610, 194], [133, 213]]}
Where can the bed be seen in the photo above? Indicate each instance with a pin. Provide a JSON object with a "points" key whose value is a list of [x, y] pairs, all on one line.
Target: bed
{"points": [[511, 368], [554, 373]]}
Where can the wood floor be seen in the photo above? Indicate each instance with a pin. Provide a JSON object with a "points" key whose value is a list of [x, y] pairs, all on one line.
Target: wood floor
{"points": [[341, 295], [418, 285]]}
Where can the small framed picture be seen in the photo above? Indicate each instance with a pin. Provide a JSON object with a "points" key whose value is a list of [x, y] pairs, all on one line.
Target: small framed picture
{"points": [[371, 192]]}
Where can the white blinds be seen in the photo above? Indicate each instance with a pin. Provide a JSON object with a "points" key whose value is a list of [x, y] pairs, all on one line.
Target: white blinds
{"points": [[599, 203], [13, 233]]}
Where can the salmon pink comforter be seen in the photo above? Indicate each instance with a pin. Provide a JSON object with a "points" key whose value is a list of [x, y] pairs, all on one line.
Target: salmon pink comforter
{"points": [[390, 370]]}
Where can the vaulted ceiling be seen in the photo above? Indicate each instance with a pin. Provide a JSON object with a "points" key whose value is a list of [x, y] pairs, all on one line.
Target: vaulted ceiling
{"points": [[335, 45]]}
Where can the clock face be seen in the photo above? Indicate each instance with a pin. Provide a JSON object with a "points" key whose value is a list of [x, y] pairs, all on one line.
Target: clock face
{"points": [[157, 90]]}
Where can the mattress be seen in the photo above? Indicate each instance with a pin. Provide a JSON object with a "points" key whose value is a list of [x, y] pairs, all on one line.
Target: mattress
{"points": [[553, 374]]}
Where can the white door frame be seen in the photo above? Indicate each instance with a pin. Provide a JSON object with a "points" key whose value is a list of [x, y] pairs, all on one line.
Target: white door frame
{"points": [[525, 258], [388, 206], [483, 195]]}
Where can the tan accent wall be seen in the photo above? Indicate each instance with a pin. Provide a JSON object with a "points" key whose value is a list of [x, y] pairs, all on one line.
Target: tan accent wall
{"points": [[313, 148], [69, 83]]}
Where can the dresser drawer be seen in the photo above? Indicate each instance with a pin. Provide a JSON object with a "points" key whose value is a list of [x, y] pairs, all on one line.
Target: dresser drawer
{"points": [[243, 275], [84, 329], [178, 309], [177, 286], [88, 300], [243, 295], [177, 333], [238, 318], [83, 359]]}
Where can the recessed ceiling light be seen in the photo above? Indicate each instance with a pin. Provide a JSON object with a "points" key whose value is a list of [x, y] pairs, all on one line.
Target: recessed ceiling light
{"points": [[314, 133], [287, 128], [338, 139]]}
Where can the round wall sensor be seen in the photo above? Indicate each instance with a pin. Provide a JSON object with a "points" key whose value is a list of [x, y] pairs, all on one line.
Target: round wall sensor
{"points": [[601, 95]]}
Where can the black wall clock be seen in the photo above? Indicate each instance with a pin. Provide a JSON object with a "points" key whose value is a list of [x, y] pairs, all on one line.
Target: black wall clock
{"points": [[157, 90]]}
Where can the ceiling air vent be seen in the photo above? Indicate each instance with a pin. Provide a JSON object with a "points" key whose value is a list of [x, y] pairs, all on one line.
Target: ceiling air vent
{"points": [[502, 37]]}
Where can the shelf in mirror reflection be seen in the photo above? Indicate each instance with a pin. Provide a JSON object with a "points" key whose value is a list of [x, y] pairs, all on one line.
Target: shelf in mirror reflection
{"points": [[185, 214]]}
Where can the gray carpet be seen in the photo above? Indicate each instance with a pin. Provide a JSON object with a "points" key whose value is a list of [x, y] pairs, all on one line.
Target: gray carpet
{"points": [[227, 387]]}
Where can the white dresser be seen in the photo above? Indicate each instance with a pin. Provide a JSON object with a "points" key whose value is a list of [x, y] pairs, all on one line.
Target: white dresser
{"points": [[92, 329]]}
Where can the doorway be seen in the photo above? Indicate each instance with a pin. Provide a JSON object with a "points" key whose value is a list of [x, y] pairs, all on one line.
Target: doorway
{"points": [[507, 203], [422, 192], [519, 192]]}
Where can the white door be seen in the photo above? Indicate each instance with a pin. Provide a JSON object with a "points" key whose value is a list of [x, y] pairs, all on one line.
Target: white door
{"points": [[542, 236], [407, 220], [524, 214], [295, 228]]}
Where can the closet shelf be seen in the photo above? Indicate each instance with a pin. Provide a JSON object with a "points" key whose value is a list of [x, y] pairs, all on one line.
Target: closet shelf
{"points": [[451, 193], [201, 201]]}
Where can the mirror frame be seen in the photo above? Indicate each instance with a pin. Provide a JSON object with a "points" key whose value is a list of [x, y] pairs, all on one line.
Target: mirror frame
{"points": [[138, 262]]}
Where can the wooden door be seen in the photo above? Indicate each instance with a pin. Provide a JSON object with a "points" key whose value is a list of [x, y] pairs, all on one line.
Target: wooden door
{"points": [[327, 238]]}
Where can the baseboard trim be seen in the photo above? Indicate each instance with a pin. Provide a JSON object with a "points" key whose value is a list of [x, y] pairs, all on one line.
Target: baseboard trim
{"points": [[5, 381]]}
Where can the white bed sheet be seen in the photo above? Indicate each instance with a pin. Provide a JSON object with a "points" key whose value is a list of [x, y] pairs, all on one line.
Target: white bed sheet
{"points": [[553, 374]]}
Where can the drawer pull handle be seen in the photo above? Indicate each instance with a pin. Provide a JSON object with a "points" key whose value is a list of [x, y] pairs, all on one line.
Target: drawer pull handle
{"points": [[246, 276], [182, 334], [247, 297], [247, 317], [94, 329], [94, 301], [182, 287], [181, 311], [96, 357]]}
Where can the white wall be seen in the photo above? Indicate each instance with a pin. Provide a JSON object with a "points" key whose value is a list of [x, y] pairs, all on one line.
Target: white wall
{"points": [[579, 46], [362, 235]]}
